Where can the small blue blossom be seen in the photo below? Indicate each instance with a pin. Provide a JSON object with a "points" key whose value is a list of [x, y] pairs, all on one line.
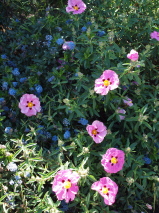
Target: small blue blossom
{"points": [[66, 122], [15, 83], [48, 135], [4, 85], [48, 37], [64, 206], [8, 130], [51, 78], [22, 80], [83, 121], [11, 182], [3, 56], [69, 21], [60, 41], [71, 45], [54, 138], [16, 72], [39, 88], [84, 29], [147, 160], [101, 33], [12, 167], [5, 108], [17, 20], [12, 91], [2, 101], [27, 174], [11, 64], [130, 207], [17, 177], [67, 134], [48, 43], [89, 23], [58, 28], [40, 130], [27, 130]]}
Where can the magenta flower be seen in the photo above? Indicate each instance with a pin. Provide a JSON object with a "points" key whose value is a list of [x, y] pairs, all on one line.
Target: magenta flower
{"points": [[128, 101], [97, 131], [113, 160], [107, 189], [107, 81], [122, 111], [29, 104], [75, 6], [133, 55], [155, 35], [65, 185]]}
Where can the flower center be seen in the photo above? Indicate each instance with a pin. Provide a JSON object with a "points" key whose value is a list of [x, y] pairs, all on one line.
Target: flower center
{"points": [[76, 7], [67, 184], [30, 104], [105, 190], [106, 83], [94, 132], [114, 160]]}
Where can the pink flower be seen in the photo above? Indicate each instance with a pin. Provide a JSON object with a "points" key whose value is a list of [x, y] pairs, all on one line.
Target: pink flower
{"points": [[97, 131], [133, 55], [29, 104], [122, 111], [75, 6], [107, 189], [108, 81], [65, 185], [113, 160], [148, 206], [155, 35], [128, 101]]}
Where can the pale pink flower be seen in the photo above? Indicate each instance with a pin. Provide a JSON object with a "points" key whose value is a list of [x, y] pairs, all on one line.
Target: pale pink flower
{"points": [[122, 111], [133, 55], [29, 104], [128, 101], [148, 206], [113, 160], [75, 6], [107, 189], [155, 35], [107, 81], [65, 185], [97, 131]]}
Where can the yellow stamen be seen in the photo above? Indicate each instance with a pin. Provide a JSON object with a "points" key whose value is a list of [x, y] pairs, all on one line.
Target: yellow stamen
{"points": [[94, 132], [67, 184], [114, 160], [106, 83], [76, 7], [30, 104], [105, 190]]}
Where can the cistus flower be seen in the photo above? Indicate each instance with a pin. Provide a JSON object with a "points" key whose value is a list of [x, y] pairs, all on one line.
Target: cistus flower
{"points": [[133, 55], [121, 111], [113, 160], [29, 104], [155, 35], [65, 185], [107, 81], [75, 6], [107, 189], [128, 101], [12, 167], [68, 45], [83, 121], [60, 41], [97, 131]]}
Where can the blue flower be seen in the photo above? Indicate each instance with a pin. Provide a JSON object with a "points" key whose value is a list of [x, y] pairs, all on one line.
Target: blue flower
{"points": [[60, 41], [67, 134], [48, 135], [22, 80], [12, 167], [27, 174], [27, 130], [4, 56], [2, 101], [89, 23], [130, 207], [15, 83], [101, 33], [8, 130], [17, 20], [17, 177], [69, 21], [40, 130], [84, 29], [64, 206], [11, 182], [66, 122], [16, 72], [5, 108], [4, 85], [12, 91], [83, 121], [39, 88], [71, 45], [54, 138], [11, 64], [147, 160], [51, 78], [48, 37], [58, 28]]}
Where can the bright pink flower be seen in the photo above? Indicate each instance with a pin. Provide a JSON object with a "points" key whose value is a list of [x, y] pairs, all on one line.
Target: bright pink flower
{"points": [[113, 160], [65, 185], [75, 6], [29, 104], [107, 81], [97, 131], [128, 101], [133, 55], [107, 189], [122, 111], [155, 35]]}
